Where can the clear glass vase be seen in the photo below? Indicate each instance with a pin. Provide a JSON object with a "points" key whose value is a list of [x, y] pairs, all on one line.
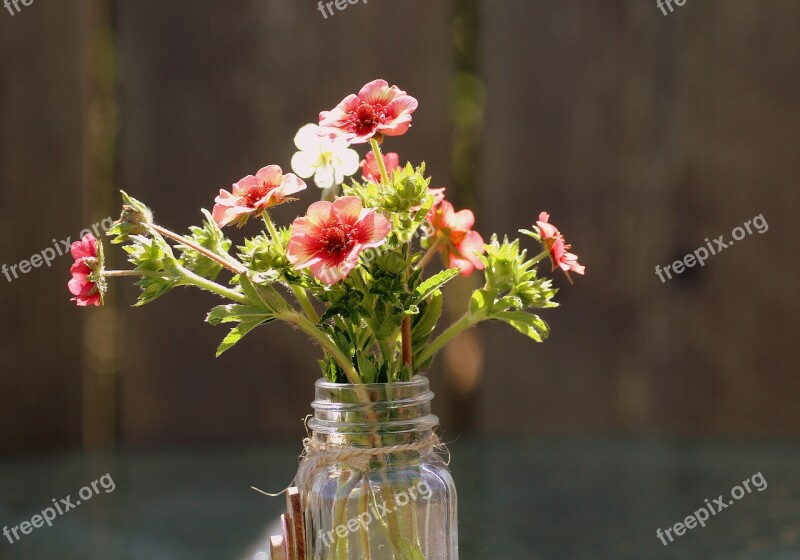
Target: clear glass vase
{"points": [[374, 486]]}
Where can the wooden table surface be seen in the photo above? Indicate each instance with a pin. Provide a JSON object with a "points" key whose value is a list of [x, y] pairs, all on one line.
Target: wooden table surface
{"points": [[560, 499]]}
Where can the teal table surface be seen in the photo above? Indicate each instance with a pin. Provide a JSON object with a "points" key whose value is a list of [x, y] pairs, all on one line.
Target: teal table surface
{"points": [[561, 499]]}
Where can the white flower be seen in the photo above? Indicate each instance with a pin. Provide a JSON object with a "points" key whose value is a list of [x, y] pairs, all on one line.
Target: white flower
{"points": [[328, 160]]}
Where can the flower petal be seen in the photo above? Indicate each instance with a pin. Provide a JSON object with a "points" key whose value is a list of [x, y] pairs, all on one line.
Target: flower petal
{"points": [[462, 220], [372, 228], [86, 247], [378, 91], [324, 178], [349, 161], [302, 251], [291, 184], [270, 175], [347, 209], [304, 163], [308, 138]]}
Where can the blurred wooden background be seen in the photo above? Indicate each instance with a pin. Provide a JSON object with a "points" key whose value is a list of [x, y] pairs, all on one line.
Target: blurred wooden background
{"points": [[642, 134]]}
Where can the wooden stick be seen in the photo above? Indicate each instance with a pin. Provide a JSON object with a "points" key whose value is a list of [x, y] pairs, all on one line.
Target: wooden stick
{"points": [[294, 505], [277, 548], [287, 528]]}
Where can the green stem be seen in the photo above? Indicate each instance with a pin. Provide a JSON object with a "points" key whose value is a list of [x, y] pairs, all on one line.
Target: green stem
{"points": [[121, 273], [538, 257], [273, 232], [305, 303], [376, 149], [461, 325], [363, 503], [304, 324], [232, 265], [213, 287]]}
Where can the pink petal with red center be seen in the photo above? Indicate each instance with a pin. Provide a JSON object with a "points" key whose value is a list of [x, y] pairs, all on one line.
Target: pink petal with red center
{"points": [[398, 116], [330, 270], [227, 209], [347, 209], [333, 119], [244, 185], [302, 251], [318, 216], [378, 91], [372, 229], [270, 175]]}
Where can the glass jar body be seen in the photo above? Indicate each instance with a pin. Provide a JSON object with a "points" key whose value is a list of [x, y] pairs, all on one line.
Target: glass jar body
{"points": [[374, 486]]}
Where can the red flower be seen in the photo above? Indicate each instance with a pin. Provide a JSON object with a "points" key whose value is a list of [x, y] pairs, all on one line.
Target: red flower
{"points": [[253, 195], [371, 170], [330, 238], [85, 291], [376, 108], [459, 245], [559, 250]]}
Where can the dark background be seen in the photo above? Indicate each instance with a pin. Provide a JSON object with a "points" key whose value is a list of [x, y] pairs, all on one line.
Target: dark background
{"points": [[642, 134]]}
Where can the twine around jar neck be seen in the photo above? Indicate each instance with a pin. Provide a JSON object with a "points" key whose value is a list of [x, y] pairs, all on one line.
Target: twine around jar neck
{"points": [[319, 454]]}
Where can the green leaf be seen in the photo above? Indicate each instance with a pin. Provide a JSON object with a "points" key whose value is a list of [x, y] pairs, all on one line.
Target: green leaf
{"points": [[366, 368], [481, 303], [529, 324], [235, 312], [152, 288], [265, 297], [209, 237], [434, 283], [425, 322], [237, 333], [248, 318]]}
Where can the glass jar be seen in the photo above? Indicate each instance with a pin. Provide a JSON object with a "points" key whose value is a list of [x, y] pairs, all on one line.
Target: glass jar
{"points": [[374, 486]]}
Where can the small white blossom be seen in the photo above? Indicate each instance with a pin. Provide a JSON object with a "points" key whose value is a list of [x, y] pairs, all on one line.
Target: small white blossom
{"points": [[328, 160]]}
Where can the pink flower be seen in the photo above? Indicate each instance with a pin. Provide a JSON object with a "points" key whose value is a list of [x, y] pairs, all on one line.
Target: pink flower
{"points": [[559, 250], [376, 108], [371, 170], [459, 245], [253, 195], [330, 238], [85, 291]]}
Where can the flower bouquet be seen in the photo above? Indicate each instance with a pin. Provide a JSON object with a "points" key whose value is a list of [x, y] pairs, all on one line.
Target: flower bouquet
{"points": [[350, 274]]}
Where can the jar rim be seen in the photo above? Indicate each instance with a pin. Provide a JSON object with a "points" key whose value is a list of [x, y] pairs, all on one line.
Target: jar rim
{"points": [[417, 381]]}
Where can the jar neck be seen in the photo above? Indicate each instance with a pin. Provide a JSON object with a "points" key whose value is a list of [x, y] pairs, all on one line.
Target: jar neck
{"points": [[353, 415]]}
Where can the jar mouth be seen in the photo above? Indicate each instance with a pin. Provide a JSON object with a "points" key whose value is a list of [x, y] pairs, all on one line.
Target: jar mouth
{"points": [[418, 381], [404, 406]]}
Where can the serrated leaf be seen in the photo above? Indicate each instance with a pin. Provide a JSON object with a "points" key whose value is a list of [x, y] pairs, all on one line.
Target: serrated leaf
{"points": [[264, 297], [422, 325], [481, 303], [210, 237], [237, 333], [434, 283], [153, 288], [529, 324], [235, 312]]}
